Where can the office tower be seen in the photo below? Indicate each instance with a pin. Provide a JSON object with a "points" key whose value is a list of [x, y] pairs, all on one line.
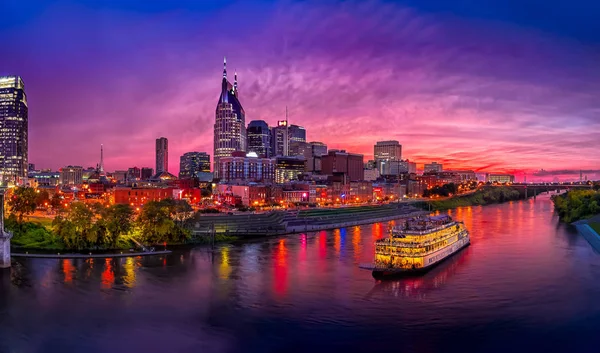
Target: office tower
{"points": [[385, 152], [296, 133], [230, 121], [13, 131], [193, 162], [279, 139], [162, 155], [259, 138]]}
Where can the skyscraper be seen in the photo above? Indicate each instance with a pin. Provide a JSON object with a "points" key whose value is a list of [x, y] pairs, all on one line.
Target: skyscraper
{"points": [[385, 152], [193, 162], [162, 155], [259, 138], [280, 139], [296, 133], [13, 130], [230, 121]]}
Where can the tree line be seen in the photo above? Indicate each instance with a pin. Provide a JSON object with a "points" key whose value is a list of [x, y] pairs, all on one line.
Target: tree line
{"points": [[96, 226], [575, 205]]}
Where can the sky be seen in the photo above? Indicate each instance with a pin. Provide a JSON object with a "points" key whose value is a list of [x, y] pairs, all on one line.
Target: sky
{"points": [[499, 85]]}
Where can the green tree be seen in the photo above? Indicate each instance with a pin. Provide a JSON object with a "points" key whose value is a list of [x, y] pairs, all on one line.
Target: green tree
{"points": [[155, 222], [118, 220], [22, 202]]}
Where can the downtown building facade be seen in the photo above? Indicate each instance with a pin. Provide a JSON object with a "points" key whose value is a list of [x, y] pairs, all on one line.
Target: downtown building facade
{"points": [[386, 152], [14, 121], [191, 163], [230, 122], [343, 166], [234, 169], [259, 138]]}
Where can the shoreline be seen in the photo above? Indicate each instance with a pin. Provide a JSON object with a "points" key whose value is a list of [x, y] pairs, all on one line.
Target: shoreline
{"points": [[236, 228], [90, 256]]}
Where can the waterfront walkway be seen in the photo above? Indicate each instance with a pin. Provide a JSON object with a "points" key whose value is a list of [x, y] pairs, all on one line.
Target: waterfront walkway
{"points": [[91, 256], [279, 223], [589, 234]]}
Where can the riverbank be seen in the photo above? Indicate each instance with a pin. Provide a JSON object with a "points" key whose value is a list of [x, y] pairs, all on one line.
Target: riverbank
{"points": [[280, 223], [577, 205], [482, 197], [91, 256]]}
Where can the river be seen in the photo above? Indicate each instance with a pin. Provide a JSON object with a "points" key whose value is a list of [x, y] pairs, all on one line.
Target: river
{"points": [[526, 284]]}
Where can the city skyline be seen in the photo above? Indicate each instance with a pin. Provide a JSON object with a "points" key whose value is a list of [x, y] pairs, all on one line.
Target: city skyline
{"points": [[500, 96]]}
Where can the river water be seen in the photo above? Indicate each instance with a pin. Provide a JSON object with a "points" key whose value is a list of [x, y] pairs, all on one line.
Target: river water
{"points": [[526, 284]]}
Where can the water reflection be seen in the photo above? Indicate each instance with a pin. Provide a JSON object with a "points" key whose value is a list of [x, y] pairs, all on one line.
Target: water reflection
{"points": [[280, 269]]}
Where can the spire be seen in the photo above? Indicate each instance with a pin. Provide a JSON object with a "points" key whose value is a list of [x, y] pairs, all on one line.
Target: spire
{"points": [[101, 166], [235, 87], [286, 115], [224, 67]]}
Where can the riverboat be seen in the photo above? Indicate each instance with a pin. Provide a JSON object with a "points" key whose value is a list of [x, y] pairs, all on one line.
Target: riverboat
{"points": [[418, 244]]}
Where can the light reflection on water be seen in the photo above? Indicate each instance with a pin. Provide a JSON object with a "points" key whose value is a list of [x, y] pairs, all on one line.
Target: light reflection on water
{"points": [[523, 273]]}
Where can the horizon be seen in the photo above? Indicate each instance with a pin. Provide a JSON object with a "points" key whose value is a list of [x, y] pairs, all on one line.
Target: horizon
{"points": [[466, 90]]}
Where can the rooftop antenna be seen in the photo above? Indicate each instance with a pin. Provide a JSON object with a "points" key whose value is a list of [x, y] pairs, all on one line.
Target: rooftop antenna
{"points": [[235, 85], [101, 167]]}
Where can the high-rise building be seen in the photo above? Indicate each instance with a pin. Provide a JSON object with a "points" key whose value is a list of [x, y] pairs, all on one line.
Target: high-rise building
{"points": [[296, 133], [259, 138], [162, 155], [384, 152], [280, 139], [193, 162], [433, 168], [230, 122], [13, 130]]}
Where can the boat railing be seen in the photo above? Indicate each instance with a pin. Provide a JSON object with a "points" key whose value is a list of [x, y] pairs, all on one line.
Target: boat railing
{"points": [[422, 232]]}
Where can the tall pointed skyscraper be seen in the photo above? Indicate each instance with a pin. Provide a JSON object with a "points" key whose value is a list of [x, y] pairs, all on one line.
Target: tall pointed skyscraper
{"points": [[230, 122]]}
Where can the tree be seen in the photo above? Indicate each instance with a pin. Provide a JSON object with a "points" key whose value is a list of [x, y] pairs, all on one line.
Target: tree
{"points": [[56, 202], [82, 219], [155, 223], [118, 221], [42, 198], [22, 202]]}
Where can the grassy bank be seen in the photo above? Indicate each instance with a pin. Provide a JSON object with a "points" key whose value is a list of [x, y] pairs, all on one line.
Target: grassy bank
{"points": [[576, 205], [484, 196], [595, 227]]}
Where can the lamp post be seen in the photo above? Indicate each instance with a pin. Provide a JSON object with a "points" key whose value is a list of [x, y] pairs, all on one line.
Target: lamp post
{"points": [[4, 236]]}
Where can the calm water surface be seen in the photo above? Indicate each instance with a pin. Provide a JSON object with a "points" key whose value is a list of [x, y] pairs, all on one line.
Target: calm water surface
{"points": [[527, 284]]}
